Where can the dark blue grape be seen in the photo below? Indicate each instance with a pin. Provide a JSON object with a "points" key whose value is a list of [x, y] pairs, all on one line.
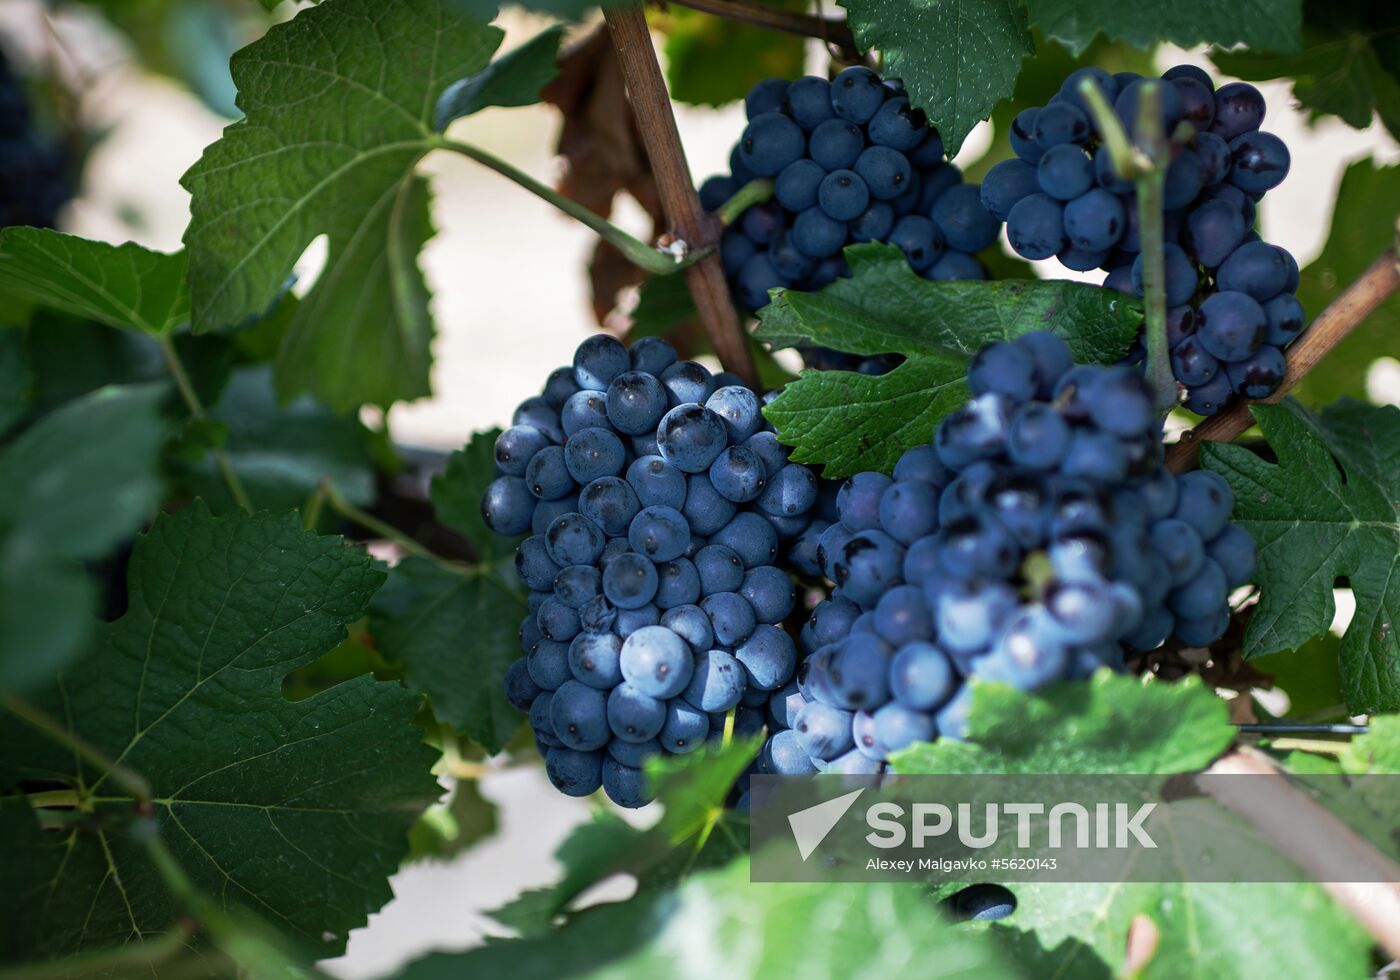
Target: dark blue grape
{"points": [[578, 716], [706, 509], [1095, 220], [856, 94], [584, 410], [1239, 109], [897, 126], [816, 234], [1005, 184], [770, 142], [1213, 232], [796, 187], [1256, 269], [886, 171], [843, 195], [1065, 171], [630, 581], [636, 401], [691, 437], [574, 773], [1285, 318], [1057, 124], [766, 96], [1197, 100], [1230, 325], [965, 224], [1192, 364], [1260, 374], [982, 902], [656, 662], [731, 617], [598, 360], [835, 144], [542, 415], [1184, 181], [1181, 274], [716, 190], [609, 503], [768, 657], [1035, 227], [808, 101], [750, 537], [1207, 399], [508, 506]]}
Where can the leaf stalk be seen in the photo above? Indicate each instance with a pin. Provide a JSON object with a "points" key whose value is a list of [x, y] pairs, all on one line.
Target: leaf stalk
{"points": [[196, 409]]}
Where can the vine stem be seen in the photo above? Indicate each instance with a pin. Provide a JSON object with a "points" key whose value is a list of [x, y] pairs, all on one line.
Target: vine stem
{"points": [[1314, 838], [651, 105], [836, 32], [754, 192], [638, 252], [1145, 163], [196, 407], [337, 502], [1378, 283]]}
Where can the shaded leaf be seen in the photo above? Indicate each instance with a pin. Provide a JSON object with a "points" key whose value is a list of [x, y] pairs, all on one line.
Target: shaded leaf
{"points": [[514, 79], [297, 813], [456, 633], [852, 421], [457, 492], [1328, 509], [338, 106], [1272, 25], [124, 286], [712, 61]]}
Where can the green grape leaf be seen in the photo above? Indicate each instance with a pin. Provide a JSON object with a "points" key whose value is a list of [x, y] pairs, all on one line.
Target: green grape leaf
{"points": [[570, 10], [282, 453], [78, 482], [713, 61], [1310, 675], [455, 633], [1358, 236], [1378, 751], [338, 110], [957, 58], [1110, 724], [294, 812], [514, 79], [1339, 70], [1274, 25], [1218, 930], [694, 831], [852, 422], [457, 491], [718, 923], [16, 377], [1329, 509], [124, 286]]}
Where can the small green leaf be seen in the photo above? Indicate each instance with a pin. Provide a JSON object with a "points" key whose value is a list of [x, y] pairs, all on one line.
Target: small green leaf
{"points": [[338, 106], [124, 286], [297, 813], [448, 829], [1273, 25], [852, 421], [456, 633], [721, 924], [1357, 238], [457, 491], [714, 61], [514, 79], [1109, 724], [1330, 508], [957, 58]]}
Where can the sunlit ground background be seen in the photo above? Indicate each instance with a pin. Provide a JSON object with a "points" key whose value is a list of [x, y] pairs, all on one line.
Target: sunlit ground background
{"points": [[511, 302]]}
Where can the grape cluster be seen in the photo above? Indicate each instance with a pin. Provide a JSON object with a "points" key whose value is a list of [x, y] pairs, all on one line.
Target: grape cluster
{"points": [[851, 162], [1232, 308], [1036, 539], [34, 177], [657, 499]]}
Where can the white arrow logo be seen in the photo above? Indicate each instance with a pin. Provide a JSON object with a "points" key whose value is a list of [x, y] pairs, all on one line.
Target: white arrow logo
{"points": [[810, 826]]}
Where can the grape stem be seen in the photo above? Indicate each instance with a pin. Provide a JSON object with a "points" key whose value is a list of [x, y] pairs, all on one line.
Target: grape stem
{"points": [[337, 502], [176, 367], [833, 32], [1322, 845], [1351, 307], [651, 105], [1145, 163], [754, 192], [639, 253]]}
